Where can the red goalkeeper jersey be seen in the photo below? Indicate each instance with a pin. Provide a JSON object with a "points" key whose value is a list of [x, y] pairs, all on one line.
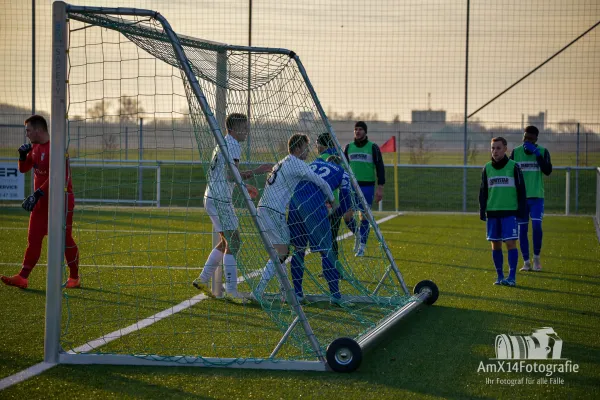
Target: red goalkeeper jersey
{"points": [[39, 159]]}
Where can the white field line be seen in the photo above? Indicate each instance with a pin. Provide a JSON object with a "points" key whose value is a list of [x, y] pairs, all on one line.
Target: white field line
{"points": [[25, 374], [144, 323]]}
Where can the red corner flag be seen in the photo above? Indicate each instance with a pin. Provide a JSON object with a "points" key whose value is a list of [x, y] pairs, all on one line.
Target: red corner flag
{"points": [[389, 146]]}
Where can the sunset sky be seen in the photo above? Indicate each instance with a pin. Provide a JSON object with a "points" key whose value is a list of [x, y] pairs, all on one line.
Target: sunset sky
{"points": [[378, 57]]}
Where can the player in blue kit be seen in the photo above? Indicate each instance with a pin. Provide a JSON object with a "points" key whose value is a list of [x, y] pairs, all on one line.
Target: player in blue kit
{"points": [[308, 223]]}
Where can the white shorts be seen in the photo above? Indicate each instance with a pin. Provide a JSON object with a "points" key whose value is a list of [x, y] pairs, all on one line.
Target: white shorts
{"points": [[274, 225], [222, 214]]}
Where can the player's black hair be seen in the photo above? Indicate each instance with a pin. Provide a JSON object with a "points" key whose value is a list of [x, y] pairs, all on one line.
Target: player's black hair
{"points": [[533, 130], [37, 122], [334, 159], [324, 139], [236, 119]]}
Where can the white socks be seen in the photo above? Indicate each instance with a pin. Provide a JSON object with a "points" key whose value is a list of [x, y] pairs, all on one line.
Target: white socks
{"points": [[230, 267], [212, 263]]}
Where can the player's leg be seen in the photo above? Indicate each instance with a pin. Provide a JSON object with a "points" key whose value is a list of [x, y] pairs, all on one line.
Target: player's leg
{"points": [[524, 240], [71, 249], [509, 236], [38, 228], [298, 239], [365, 227], [275, 227], [232, 243], [217, 253], [297, 271], [494, 236], [537, 214]]}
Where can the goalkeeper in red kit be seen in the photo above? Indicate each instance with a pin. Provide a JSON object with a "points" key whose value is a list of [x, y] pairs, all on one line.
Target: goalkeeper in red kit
{"points": [[37, 156]]}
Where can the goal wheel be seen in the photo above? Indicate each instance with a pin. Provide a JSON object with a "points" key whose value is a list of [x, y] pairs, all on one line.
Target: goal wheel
{"points": [[343, 355], [429, 286]]}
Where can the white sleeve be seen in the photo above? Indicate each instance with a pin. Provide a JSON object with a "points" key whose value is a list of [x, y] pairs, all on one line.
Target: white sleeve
{"points": [[309, 175], [235, 151]]}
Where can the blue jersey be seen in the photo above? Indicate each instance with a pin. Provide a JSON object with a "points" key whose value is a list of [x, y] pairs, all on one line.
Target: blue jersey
{"points": [[345, 195], [307, 195]]}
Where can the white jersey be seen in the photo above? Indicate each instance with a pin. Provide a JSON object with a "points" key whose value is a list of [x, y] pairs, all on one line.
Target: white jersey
{"points": [[218, 187], [282, 181]]}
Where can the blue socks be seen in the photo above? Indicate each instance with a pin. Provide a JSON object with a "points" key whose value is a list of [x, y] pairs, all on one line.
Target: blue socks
{"points": [[351, 225], [364, 230], [524, 241], [537, 237], [297, 269], [498, 260], [330, 273], [513, 260]]}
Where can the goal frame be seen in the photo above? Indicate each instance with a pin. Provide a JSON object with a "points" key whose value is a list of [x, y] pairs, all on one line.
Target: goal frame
{"points": [[53, 353]]}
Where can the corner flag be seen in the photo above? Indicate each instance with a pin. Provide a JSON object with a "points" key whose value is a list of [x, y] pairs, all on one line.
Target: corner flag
{"points": [[389, 146]]}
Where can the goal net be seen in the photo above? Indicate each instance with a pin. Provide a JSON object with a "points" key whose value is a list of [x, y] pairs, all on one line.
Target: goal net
{"points": [[146, 116]]}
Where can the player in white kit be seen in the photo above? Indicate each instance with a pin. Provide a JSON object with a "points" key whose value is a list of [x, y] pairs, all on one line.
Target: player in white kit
{"points": [[279, 188], [219, 206]]}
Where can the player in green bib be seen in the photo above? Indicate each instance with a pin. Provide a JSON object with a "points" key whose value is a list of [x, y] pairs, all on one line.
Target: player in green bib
{"points": [[367, 165], [534, 161], [502, 199]]}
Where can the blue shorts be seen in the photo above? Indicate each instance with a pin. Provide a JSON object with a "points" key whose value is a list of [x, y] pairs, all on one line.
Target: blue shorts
{"points": [[369, 193], [535, 209], [312, 228], [502, 229]]}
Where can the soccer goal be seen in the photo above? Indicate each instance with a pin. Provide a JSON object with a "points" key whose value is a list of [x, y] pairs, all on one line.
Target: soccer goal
{"points": [[127, 90]]}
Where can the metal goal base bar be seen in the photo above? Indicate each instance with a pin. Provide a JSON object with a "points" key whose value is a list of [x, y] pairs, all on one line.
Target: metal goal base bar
{"points": [[188, 361]]}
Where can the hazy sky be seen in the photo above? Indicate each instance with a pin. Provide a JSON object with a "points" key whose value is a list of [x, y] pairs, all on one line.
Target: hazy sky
{"points": [[377, 57]]}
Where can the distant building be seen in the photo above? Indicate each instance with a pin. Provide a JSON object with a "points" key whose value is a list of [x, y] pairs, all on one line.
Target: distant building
{"points": [[429, 116], [307, 119], [537, 120]]}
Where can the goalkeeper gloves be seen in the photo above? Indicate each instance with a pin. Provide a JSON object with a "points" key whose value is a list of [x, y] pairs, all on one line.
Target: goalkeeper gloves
{"points": [[23, 150], [531, 148], [482, 216], [30, 202]]}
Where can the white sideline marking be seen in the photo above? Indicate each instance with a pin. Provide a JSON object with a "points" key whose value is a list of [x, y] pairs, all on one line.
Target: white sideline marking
{"points": [[25, 374], [101, 341], [144, 323]]}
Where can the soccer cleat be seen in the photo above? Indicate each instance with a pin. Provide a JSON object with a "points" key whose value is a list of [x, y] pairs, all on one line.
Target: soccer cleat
{"points": [[73, 283], [360, 252], [338, 302], [15, 280], [526, 266], [498, 281], [509, 282], [203, 287], [537, 265]]}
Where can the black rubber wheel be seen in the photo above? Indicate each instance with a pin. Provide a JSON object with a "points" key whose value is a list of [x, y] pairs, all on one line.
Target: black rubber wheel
{"points": [[430, 286], [344, 355]]}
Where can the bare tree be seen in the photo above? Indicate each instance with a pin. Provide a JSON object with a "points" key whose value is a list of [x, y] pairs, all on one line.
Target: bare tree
{"points": [[419, 148]]}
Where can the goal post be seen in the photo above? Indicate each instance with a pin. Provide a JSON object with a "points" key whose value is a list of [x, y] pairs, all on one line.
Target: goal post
{"points": [[137, 305]]}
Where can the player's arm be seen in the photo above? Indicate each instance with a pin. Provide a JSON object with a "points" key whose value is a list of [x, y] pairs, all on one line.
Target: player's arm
{"points": [[544, 163], [483, 195], [25, 158], [521, 192], [252, 191], [261, 169], [380, 170]]}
